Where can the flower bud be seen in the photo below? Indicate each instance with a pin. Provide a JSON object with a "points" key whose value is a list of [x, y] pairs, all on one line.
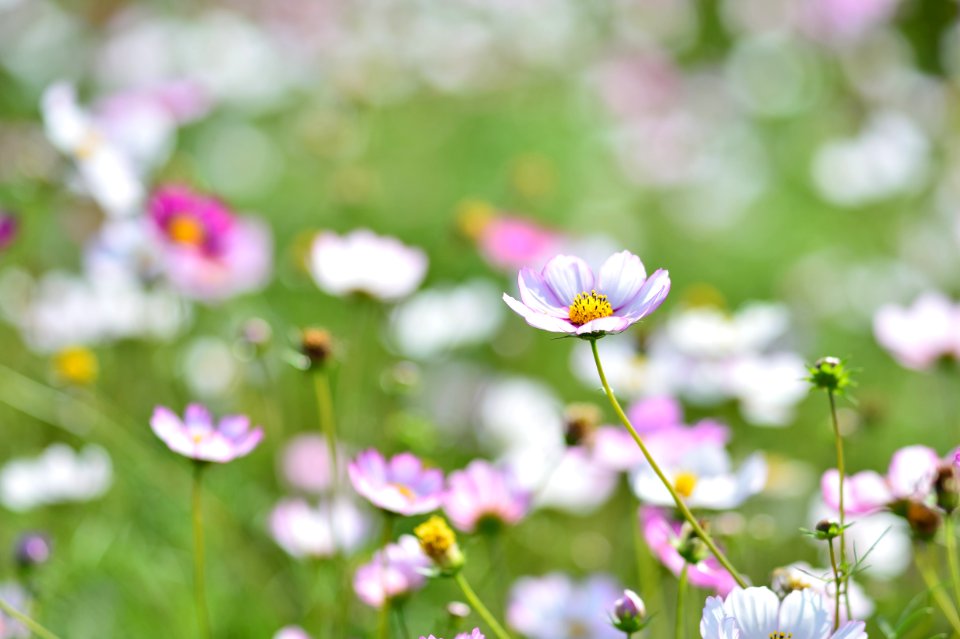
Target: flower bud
{"points": [[317, 345], [629, 613], [829, 374], [458, 610], [947, 488], [580, 421], [32, 549], [826, 529], [439, 543], [690, 546], [924, 521]]}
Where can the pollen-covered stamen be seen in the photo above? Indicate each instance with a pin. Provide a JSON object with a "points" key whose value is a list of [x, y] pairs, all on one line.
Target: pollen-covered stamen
{"points": [[185, 229], [587, 307], [684, 483], [781, 635]]}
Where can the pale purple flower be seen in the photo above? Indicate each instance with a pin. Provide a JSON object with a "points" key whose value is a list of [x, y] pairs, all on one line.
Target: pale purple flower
{"points": [[393, 572], [482, 492], [920, 335], [307, 465], [196, 436], [9, 226], [662, 534], [32, 549], [556, 607], [757, 613], [400, 485], [364, 262], [304, 530], [911, 475], [566, 297], [291, 632], [475, 634]]}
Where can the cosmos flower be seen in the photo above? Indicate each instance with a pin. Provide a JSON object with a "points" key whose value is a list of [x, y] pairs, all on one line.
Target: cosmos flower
{"points": [[196, 436], [59, 474], [757, 613], [366, 263], [556, 607], [209, 253], [475, 634], [318, 531], [911, 475], [306, 463], [291, 632], [9, 226], [802, 576], [919, 335], [663, 535], [393, 572], [482, 493], [566, 297], [704, 478], [401, 485]]}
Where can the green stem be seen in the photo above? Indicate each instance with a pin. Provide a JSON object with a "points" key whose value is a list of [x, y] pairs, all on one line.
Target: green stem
{"points": [[647, 571], [402, 622], [951, 539], [34, 627], [477, 605], [321, 387], [841, 471], [837, 581], [678, 627], [681, 506], [383, 625], [933, 585], [199, 581]]}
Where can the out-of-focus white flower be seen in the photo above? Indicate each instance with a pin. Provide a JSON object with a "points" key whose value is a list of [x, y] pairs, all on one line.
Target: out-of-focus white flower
{"points": [[364, 262], [106, 172], [209, 367], [519, 413], [441, 319], [769, 386], [59, 474], [884, 535], [319, 531], [802, 576], [889, 157]]}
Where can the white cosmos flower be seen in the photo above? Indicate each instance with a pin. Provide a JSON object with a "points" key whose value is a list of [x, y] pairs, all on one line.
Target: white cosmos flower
{"points": [[307, 531], [59, 474], [801, 575], [364, 262], [757, 613], [704, 478]]}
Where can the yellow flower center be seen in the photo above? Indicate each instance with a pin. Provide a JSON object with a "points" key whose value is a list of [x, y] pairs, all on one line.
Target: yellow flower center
{"points": [[589, 306], [404, 490], [76, 365], [185, 229], [436, 538], [87, 146], [684, 484], [781, 635]]}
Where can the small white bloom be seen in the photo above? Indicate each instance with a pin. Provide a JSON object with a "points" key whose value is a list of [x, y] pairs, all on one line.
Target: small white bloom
{"points": [[59, 474]]}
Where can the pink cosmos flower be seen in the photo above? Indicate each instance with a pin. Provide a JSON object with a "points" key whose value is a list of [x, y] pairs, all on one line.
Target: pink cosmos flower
{"points": [[393, 572], [307, 531], [556, 607], [911, 475], [8, 229], [663, 534], [514, 242], [208, 252], [197, 437], [401, 485], [476, 634], [307, 465], [480, 493], [566, 297], [921, 334], [291, 632]]}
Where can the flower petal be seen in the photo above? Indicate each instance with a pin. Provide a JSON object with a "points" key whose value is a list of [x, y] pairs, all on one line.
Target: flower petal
{"points": [[804, 614], [851, 630], [568, 276], [539, 320], [612, 324], [621, 278], [756, 611], [650, 296], [536, 295], [912, 471]]}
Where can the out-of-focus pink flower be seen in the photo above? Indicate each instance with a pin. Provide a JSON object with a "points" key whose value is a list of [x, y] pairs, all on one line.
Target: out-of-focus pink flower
{"points": [[364, 262], [911, 475], [307, 464], [921, 334], [291, 632], [400, 485], [9, 226], [209, 253], [482, 493], [196, 436], [475, 634], [393, 572], [844, 20], [566, 297], [512, 243], [306, 531], [556, 607], [663, 535]]}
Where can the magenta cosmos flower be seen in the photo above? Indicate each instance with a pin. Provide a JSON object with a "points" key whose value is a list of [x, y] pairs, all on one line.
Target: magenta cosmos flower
{"points": [[481, 494], [393, 572], [8, 229], [196, 436], [208, 252], [566, 297], [400, 485], [663, 535]]}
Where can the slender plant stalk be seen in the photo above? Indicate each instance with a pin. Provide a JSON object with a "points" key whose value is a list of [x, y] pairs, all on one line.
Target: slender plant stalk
{"points": [[841, 471], [321, 387], [681, 506], [647, 569], [402, 622], [837, 580], [936, 589], [199, 580], [34, 627], [678, 627], [383, 625], [477, 605], [949, 532]]}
